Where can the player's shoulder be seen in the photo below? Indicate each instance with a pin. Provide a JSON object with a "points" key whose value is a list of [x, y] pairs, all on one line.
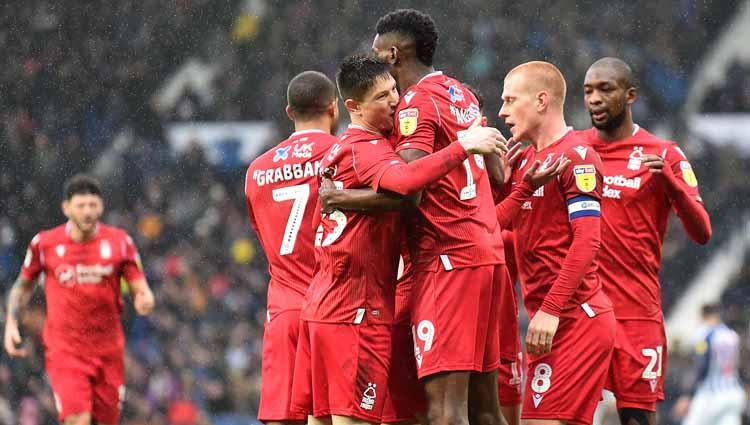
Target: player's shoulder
{"points": [[49, 236], [575, 146]]}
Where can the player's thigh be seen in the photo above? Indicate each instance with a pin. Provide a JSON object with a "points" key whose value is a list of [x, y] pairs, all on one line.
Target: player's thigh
{"points": [[348, 420], [70, 376], [447, 397], [483, 395], [405, 399], [453, 309], [566, 384], [349, 382], [78, 419], [312, 420], [109, 389], [280, 339], [511, 413], [638, 366], [302, 422]]}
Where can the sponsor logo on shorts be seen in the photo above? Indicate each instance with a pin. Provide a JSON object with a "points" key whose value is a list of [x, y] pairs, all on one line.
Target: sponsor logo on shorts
{"points": [[537, 398], [368, 397], [653, 385]]}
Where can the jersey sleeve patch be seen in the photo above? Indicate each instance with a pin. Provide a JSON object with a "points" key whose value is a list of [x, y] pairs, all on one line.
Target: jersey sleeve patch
{"points": [[687, 174], [585, 175], [407, 121], [583, 206]]}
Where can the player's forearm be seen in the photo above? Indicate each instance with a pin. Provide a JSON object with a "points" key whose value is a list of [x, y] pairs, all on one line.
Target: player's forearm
{"points": [[692, 214], [582, 252], [364, 200], [138, 285], [412, 177], [511, 205], [494, 167], [17, 297]]}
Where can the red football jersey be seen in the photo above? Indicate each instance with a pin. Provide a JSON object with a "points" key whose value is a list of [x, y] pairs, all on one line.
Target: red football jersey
{"points": [[281, 189], [357, 251], [457, 226], [542, 229], [82, 287], [633, 226]]}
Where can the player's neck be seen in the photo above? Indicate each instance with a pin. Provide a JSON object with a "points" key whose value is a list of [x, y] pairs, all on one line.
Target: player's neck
{"points": [[410, 75], [78, 235], [623, 131], [361, 123], [321, 124], [549, 133]]}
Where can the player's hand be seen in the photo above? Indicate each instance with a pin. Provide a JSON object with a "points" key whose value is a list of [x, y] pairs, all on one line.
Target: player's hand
{"points": [[325, 192], [509, 159], [542, 329], [482, 140], [13, 339], [144, 302], [680, 408], [538, 178]]}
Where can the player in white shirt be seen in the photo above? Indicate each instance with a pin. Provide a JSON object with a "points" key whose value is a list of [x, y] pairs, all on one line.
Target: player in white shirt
{"points": [[717, 395]]}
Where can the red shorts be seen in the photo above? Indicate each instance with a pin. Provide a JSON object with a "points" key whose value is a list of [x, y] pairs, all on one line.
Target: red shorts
{"points": [[567, 383], [279, 351], [343, 370], [456, 319], [509, 382], [406, 398], [510, 335], [81, 384], [636, 373]]}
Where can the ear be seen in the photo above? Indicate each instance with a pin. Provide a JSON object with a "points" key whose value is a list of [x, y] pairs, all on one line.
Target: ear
{"points": [[289, 112], [64, 206], [393, 55], [542, 101], [630, 95], [352, 106]]}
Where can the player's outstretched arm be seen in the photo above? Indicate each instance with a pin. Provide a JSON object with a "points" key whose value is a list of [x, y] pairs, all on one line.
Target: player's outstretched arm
{"points": [[361, 199], [409, 178], [17, 297], [143, 298], [690, 211]]}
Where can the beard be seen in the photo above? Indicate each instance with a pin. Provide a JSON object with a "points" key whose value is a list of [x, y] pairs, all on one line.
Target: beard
{"points": [[611, 123]]}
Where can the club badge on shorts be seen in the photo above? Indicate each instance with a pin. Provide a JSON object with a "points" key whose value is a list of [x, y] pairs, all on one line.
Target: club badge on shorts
{"points": [[687, 174], [585, 177], [407, 121]]}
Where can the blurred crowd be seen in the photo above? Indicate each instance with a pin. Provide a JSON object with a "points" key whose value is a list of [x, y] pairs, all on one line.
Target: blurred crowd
{"points": [[78, 83], [733, 93]]}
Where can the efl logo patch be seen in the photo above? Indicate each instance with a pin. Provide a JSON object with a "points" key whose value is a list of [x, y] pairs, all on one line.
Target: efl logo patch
{"points": [[687, 174], [585, 177], [407, 121]]}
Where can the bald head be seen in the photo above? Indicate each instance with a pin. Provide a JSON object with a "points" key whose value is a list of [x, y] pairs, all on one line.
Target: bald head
{"points": [[613, 69], [539, 76]]}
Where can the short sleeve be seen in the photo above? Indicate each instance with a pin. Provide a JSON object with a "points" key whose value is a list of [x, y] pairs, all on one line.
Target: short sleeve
{"points": [[581, 182], [417, 123], [33, 262], [678, 161], [371, 159], [132, 269]]}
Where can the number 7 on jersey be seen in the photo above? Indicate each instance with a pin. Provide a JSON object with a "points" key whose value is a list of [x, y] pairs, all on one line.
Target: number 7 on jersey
{"points": [[299, 193]]}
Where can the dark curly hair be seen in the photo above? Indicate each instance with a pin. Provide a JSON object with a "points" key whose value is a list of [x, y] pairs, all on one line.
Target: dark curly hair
{"points": [[81, 184], [413, 24], [357, 75]]}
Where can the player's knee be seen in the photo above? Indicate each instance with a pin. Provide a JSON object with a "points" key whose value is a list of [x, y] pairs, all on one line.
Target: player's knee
{"points": [[446, 413], [78, 419]]}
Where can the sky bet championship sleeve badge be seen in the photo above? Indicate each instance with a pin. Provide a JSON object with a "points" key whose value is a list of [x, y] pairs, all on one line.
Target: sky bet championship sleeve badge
{"points": [[687, 174], [585, 177], [407, 121]]}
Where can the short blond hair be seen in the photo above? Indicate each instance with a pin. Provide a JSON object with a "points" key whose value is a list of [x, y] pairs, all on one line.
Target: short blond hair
{"points": [[542, 76]]}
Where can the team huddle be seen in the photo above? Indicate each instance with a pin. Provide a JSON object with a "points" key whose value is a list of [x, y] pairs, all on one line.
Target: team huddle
{"points": [[393, 250]]}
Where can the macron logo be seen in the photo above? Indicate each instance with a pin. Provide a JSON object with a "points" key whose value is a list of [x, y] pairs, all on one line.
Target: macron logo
{"points": [[537, 398]]}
